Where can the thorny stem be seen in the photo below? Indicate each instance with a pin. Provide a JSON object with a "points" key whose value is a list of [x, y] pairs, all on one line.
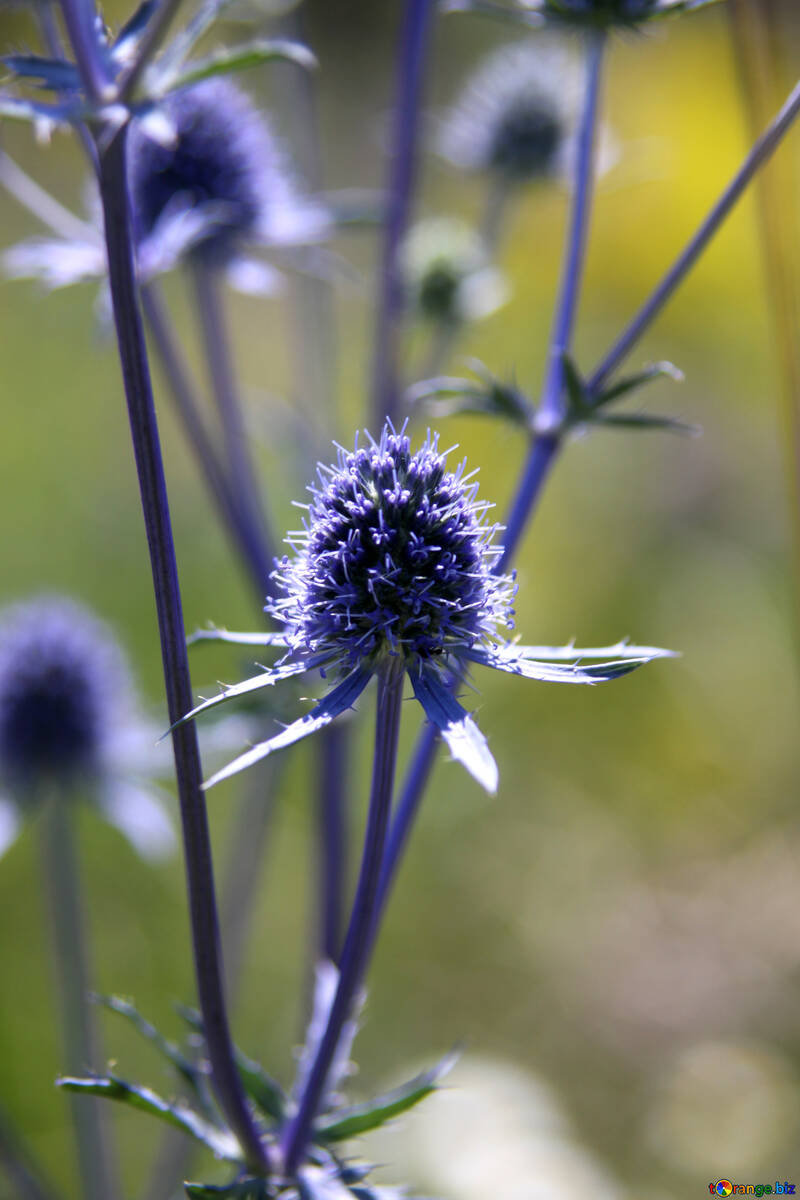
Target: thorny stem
{"points": [[197, 845], [362, 919], [62, 880], [226, 395], [759, 154], [416, 37]]}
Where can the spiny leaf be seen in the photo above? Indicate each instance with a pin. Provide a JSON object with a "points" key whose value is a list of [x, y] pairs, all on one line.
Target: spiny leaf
{"points": [[645, 421], [219, 1141], [447, 396], [188, 1070], [577, 395], [350, 1122], [17, 109], [238, 58], [241, 1189], [659, 370], [53, 73]]}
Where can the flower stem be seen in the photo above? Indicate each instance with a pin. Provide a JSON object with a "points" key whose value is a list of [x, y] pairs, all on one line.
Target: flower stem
{"points": [[551, 406], [226, 395], [62, 878], [362, 919], [332, 824], [152, 484], [402, 174], [80, 17], [759, 154], [545, 444], [245, 535]]}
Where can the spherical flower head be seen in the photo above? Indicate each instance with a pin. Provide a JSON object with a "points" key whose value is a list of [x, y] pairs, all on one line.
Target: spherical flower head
{"points": [[516, 115], [64, 689], [219, 179], [446, 274], [396, 557]]}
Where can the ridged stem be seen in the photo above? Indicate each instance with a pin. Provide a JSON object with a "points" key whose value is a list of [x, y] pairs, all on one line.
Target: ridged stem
{"points": [[245, 535], [152, 484], [362, 919], [544, 446], [70, 950], [759, 154], [216, 347], [402, 175]]}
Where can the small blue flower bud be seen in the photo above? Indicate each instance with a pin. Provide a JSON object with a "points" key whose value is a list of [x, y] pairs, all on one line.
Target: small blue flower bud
{"points": [[446, 273], [515, 116], [64, 685]]}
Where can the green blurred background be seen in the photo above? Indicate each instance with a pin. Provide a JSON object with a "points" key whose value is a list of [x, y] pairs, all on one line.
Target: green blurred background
{"points": [[616, 936]]}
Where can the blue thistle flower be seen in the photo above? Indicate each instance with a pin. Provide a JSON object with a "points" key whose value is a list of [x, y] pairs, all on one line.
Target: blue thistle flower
{"points": [[397, 558], [207, 178], [69, 719], [515, 117], [447, 276]]}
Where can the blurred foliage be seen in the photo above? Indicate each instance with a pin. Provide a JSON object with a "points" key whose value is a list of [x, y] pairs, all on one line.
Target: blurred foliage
{"points": [[621, 921]]}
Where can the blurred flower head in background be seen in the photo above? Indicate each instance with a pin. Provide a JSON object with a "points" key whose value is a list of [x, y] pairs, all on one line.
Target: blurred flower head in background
{"points": [[218, 180], [516, 115], [70, 724], [447, 276]]}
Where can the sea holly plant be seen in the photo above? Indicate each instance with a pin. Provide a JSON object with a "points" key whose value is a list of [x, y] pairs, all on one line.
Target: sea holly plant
{"points": [[394, 573], [596, 14], [328, 1172]]}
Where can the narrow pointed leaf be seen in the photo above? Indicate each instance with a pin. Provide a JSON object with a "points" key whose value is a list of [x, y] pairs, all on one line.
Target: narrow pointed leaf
{"points": [[17, 109], [573, 653], [644, 421], [187, 1070], [341, 698], [266, 679], [237, 639], [360, 1118], [446, 396], [508, 658], [54, 73], [239, 58], [221, 1143], [463, 737], [578, 400], [261, 1087], [659, 370], [241, 1189]]}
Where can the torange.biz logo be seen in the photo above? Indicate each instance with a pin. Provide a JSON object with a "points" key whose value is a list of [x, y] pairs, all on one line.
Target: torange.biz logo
{"points": [[724, 1187]]}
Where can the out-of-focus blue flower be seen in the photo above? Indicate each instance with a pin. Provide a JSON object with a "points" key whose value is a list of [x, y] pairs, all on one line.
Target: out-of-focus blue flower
{"points": [[396, 557], [587, 13], [447, 276], [217, 183], [69, 721], [515, 118]]}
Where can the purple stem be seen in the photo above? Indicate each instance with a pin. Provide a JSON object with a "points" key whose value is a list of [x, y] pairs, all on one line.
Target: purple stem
{"points": [[332, 825], [246, 536], [80, 19], [402, 174], [551, 406], [362, 920], [759, 154], [226, 394], [150, 469], [545, 444]]}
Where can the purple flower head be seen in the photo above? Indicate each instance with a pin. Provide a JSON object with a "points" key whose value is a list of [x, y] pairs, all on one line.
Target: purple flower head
{"points": [[69, 720], [515, 117], [396, 558]]}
